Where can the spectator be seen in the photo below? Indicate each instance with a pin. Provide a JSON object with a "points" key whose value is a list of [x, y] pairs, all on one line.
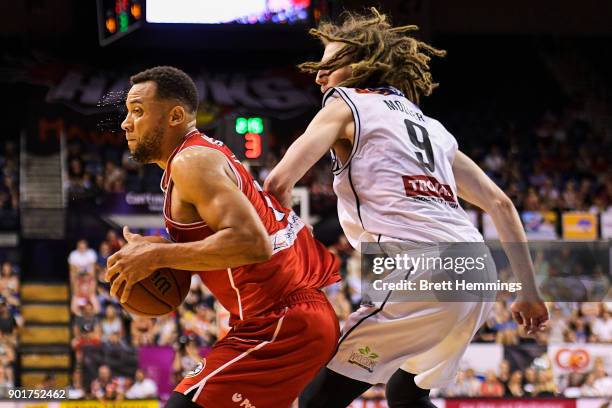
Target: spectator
{"points": [[581, 330], [588, 388], [462, 387], [491, 387], [76, 390], [104, 252], [82, 258], [8, 279], [572, 388], [601, 326], [557, 326], [529, 385], [504, 372], [493, 160], [473, 384], [6, 383], [7, 354], [114, 241], [603, 382], [166, 330], [143, 331], [187, 357], [201, 324], [8, 324], [111, 323], [514, 388], [114, 177], [507, 329], [545, 386], [86, 330], [105, 387], [143, 388]]}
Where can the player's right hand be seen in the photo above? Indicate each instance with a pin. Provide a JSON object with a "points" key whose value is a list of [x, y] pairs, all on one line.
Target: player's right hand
{"points": [[532, 314]]}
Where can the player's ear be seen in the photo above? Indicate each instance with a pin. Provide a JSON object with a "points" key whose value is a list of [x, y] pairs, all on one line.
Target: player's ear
{"points": [[177, 115]]}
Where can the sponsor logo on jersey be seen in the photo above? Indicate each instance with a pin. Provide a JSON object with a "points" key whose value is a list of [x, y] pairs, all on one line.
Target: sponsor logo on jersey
{"points": [[364, 358], [430, 188], [283, 239], [244, 402], [197, 370]]}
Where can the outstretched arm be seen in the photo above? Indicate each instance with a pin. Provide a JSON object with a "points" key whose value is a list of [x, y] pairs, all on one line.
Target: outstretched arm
{"points": [[332, 123], [202, 179], [476, 187]]}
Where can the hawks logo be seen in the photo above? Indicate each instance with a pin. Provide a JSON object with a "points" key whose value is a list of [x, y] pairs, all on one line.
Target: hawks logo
{"points": [[197, 370]]}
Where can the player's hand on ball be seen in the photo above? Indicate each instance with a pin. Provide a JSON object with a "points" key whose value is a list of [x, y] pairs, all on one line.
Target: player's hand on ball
{"points": [[131, 264], [532, 314]]}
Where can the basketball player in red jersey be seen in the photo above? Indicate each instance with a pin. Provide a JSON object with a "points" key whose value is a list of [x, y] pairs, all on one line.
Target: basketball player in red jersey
{"points": [[257, 258]]}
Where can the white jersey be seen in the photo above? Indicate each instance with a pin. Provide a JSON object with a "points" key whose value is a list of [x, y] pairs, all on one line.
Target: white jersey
{"points": [[397, 183]]}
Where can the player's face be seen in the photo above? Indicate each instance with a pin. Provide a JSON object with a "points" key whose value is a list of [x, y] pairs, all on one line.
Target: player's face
{"points": [[327, 79], [145, 122]]}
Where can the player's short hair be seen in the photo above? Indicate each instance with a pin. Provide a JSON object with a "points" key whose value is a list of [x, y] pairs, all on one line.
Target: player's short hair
{"points": [[172, 83], [378, 54]]}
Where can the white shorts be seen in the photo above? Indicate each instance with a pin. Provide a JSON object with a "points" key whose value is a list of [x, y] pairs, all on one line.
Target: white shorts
{"points": [[423, 338]]}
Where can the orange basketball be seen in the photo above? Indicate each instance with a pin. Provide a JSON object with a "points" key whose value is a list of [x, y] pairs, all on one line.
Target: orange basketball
{"points": [[159, 294]]}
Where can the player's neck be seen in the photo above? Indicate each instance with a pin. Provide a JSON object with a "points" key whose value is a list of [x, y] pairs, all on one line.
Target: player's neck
{"points": [[170, 144]]}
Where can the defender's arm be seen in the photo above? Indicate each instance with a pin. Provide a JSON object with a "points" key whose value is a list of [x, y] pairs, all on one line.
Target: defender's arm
{"points": [[476, 187], [332, 123]]}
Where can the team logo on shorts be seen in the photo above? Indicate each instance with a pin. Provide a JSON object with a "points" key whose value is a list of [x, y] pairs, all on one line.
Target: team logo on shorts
{"points": [[197, 370], [364, 358]]}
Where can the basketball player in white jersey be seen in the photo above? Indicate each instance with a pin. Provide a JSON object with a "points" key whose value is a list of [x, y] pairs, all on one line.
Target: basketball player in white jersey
{"points": [[397, 175]]}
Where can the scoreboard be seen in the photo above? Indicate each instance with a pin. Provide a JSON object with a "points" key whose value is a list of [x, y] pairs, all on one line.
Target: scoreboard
{"points": [[247, 136], [116, 18]]}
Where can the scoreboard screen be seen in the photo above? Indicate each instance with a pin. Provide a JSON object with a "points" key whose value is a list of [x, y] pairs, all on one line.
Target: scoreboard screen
{"points": [[228, 11], [117, 18], [246, 136]]}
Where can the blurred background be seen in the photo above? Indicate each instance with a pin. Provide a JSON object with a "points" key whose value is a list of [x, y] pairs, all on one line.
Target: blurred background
{"points": [[525, 89]]}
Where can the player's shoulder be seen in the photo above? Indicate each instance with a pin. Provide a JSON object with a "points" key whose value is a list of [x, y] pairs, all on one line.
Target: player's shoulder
{"points": [[197, 158]]}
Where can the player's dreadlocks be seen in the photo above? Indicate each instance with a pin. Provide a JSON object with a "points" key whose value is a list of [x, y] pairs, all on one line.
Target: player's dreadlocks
{"points": [[378, 54]]}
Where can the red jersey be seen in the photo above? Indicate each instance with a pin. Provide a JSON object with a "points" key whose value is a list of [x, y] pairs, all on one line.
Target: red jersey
{"points": [[298, 261]]}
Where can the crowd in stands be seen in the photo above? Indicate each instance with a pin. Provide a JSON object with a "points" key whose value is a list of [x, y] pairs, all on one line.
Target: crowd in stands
{"points": [[100, 325], [9, 185], [536, 380], [94, 172], [10, 322], [100, 322]]}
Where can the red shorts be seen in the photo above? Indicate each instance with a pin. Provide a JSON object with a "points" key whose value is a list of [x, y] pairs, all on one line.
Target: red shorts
{"points": [[265, 362]]}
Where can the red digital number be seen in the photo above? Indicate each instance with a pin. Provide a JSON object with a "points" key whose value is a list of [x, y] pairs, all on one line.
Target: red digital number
{"points": [[252, 145]]}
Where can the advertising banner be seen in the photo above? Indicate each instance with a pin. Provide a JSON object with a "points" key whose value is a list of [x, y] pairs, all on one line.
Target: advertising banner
{"points": [[568, 357], [579, 226], [540, 225], [510, 403], [482, 357], [156, 362], [606, 224]]}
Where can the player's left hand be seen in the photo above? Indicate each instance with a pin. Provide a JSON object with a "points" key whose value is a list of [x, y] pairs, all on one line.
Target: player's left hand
{"points": [[131, 264], [532, 314]]}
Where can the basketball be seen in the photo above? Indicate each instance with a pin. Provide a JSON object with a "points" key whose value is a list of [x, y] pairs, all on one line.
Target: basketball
{"points": [[159, 294]]}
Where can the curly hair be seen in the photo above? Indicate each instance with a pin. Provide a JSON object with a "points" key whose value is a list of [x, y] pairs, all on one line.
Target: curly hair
{"points": [[378, 54], [172, 83]]}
